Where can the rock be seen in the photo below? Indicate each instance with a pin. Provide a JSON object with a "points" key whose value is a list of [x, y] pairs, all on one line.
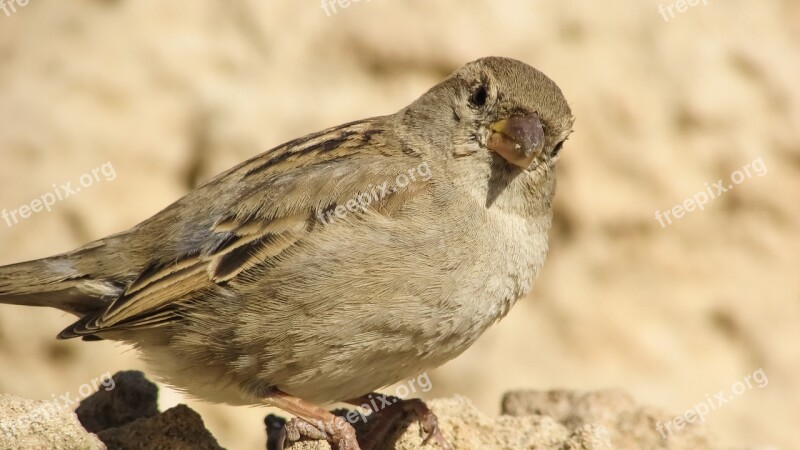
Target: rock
{"points": [[129, 397], [466, 428], [558, 420], [629, 426], [29, 424], [177, 428], [125, 417], [124, 414]]}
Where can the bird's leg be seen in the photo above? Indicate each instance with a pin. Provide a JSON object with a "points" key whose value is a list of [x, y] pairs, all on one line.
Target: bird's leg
{"points": [[312, 422], [391, 410]]}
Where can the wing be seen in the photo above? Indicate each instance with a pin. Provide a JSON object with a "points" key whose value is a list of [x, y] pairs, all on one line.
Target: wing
{"points": [[280, 199]]}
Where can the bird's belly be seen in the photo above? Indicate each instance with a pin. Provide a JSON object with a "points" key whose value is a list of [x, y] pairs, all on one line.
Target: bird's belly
{"points": [[412, 330], [373, 322]]}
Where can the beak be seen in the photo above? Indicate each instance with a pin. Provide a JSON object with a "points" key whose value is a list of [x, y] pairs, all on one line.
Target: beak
{"points": [[518, 139]]}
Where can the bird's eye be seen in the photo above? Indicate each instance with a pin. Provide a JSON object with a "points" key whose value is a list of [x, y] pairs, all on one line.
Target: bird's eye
{"points": [[479, 95], [557, 148]]}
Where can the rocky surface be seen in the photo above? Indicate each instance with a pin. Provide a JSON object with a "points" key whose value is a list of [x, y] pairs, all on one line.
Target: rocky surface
{"points": [[627, 425], [558, 420], [178, 428], [35, 425], [467, 428], [127, 418], [133, 397]]}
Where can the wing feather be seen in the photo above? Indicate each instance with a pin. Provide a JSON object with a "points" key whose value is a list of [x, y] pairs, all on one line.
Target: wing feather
{"points": [[282, 195]]}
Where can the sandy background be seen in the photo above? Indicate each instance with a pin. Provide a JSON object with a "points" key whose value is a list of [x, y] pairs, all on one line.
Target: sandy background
{"points": [[171, 93]]}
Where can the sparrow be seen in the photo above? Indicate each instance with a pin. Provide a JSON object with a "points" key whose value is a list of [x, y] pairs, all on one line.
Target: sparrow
{"points": [[337, 263]]}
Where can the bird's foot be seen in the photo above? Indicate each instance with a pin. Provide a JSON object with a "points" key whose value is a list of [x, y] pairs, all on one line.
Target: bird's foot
{"points": [[395, 410], [343, 438], [312, 422]]}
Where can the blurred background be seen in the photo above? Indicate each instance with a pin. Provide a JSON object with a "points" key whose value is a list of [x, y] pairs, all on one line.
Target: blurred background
{"points": [[667, 97]]}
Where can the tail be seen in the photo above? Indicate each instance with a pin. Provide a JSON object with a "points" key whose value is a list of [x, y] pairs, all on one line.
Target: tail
{"points": [[61, 282]]}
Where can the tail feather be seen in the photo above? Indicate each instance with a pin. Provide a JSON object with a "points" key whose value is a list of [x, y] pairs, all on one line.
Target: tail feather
{"points": [[56, 283]]}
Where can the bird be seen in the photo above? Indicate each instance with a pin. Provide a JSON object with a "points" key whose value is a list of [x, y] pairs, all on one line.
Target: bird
{"points": [[335, 264]]}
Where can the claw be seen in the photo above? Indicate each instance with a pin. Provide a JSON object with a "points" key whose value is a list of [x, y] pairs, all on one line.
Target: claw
{"points": [[311, 422], [390, 415]]}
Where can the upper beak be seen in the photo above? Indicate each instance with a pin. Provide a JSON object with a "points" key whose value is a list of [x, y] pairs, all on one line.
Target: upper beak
{"points": [[518, 139]]}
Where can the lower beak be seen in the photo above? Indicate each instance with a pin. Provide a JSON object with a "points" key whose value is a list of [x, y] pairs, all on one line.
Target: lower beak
{"points": [[518, 139]]}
